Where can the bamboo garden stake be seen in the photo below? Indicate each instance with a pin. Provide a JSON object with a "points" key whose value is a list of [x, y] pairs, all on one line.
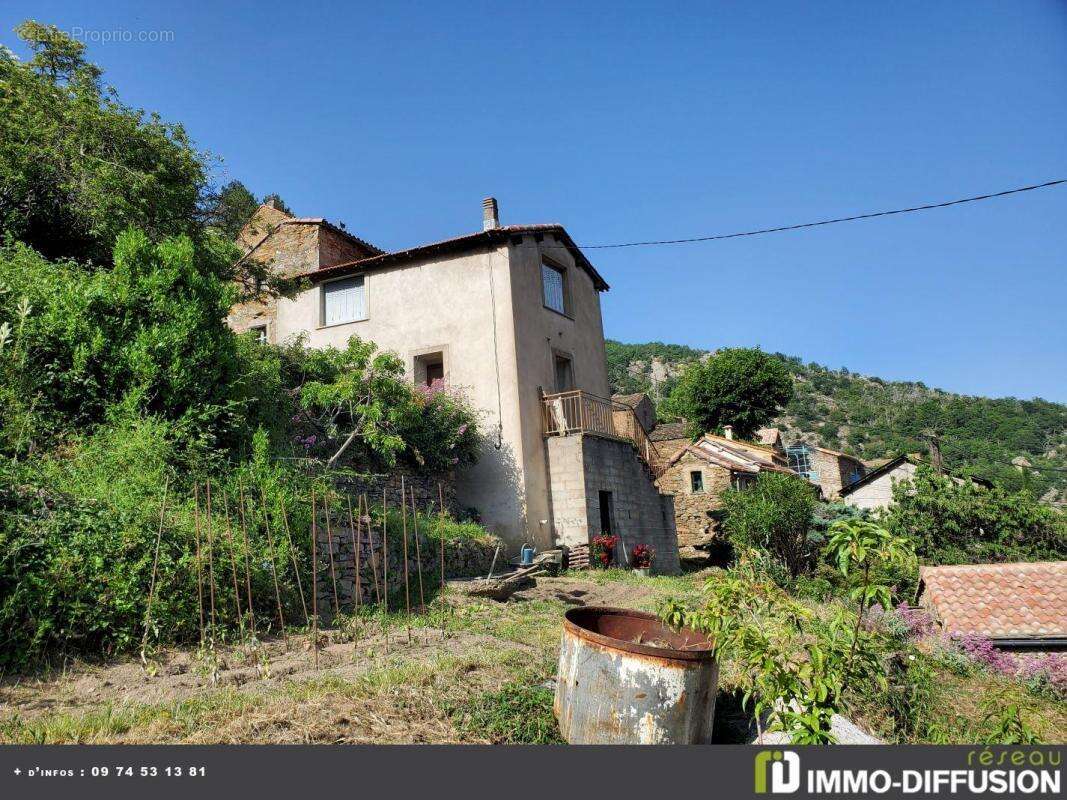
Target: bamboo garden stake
{"points": [[418, 550], [248, 568], [199, 569], [296, 567], [329, 546], [357, 545], [211, 561], [314, 581], [274, 568], [385, 566], [155, 564], [233, 563], [407, 585], [441, 534]]}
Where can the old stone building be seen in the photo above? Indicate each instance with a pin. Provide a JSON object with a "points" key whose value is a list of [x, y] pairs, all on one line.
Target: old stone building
{"points": [[290, 246], [509, 315], [830, 470], [698, 473]]}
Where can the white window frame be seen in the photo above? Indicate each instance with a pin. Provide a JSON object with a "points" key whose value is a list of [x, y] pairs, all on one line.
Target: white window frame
{"points": [[360, 280]]}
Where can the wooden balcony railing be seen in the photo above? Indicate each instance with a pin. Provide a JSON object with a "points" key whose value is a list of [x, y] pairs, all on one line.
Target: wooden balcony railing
{"points": [[578, 411]]}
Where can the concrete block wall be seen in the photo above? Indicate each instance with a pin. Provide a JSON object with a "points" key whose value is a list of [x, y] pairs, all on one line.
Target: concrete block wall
{"points": [[581, 467]]}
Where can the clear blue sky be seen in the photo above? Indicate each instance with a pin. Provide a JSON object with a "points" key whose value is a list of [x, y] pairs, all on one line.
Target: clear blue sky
{"points": [[652, 121]]}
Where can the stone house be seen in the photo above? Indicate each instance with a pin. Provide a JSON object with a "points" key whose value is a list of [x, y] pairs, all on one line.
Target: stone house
{"points": [[291, 246], [830, 470], [509, 315], [698, 473]]}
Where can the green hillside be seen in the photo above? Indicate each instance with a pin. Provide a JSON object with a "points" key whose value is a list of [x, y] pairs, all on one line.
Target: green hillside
{"points": [[874, 418]]}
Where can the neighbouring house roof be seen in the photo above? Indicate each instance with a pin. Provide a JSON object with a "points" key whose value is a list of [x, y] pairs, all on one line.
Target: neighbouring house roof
{"points": [[878, 472], [891, 465], [769, 436], [667, 431], [472, 241], [999, 601], [721, 452], [631, 400]]}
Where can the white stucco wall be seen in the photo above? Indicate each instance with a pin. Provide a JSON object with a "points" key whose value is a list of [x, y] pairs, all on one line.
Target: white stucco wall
{"points": [[879, 492], [484, 311]]}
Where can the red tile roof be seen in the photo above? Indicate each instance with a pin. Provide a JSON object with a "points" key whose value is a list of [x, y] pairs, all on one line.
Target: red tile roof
{"points": [[999, 601]]}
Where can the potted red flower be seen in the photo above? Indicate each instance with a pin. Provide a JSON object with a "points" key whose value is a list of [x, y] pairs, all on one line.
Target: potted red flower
{"points": [[602, 550], [641, 558]]}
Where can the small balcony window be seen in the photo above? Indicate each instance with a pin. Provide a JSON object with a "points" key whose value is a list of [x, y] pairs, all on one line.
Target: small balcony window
{"points": [[260, 332]]}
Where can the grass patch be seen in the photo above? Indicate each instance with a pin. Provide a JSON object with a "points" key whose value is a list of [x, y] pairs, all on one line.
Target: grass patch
{"points": [[515, 714]]}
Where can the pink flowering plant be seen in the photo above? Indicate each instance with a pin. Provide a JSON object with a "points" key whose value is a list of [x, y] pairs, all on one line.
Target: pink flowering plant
{"points": [[356, 405]]}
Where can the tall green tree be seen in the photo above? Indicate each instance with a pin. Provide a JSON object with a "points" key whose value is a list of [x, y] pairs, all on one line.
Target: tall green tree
{"points": [[232, 208], [77, 166], [739, 386]]}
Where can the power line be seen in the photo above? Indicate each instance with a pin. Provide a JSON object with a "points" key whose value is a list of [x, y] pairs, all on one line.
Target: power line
{"points": [[853, 218]]}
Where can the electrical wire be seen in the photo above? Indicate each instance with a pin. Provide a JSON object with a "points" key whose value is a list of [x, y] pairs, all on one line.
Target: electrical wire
{"points": [[853, 218]]}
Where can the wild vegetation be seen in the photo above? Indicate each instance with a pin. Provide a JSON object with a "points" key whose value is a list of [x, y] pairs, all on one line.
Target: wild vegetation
{"points": [[874, 418], [124, 396]]}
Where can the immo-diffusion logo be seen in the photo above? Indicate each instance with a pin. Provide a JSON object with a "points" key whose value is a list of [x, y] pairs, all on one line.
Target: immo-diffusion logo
{"points": [[784, 769]]}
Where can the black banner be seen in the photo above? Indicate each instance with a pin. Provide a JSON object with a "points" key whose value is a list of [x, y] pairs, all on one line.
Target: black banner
{"points": [[314, 772]]}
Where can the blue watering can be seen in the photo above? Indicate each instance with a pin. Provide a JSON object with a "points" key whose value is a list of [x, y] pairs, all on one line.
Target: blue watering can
{"points": [[526, 555]]}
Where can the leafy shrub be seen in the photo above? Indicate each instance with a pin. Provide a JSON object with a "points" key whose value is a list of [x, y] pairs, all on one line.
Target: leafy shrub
{"points": [[964, 522], [773, 515]]}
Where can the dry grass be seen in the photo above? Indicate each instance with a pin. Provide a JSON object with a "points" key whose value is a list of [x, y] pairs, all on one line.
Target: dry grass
{"points": [[460, 684]]}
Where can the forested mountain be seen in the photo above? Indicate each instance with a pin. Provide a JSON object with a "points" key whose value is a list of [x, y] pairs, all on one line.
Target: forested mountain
{"points": [[874, 418]]}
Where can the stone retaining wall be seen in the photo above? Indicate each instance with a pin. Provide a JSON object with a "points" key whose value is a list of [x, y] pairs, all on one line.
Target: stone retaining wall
{"points": [[463, 558], [427, 491]]}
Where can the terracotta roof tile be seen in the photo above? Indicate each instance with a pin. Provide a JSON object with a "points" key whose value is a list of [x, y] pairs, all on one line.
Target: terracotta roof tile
{"points": [[999, 600]]}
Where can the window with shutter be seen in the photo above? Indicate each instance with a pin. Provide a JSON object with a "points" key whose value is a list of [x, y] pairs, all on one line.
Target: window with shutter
{"points": [[344, 301], [552, 281]]}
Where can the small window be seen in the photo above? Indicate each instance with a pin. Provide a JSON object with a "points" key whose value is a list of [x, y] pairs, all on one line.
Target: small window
{"points": [[564, 373], [343, 301], [739, 481], [429, 368], [258, 286], [260, 332], [553, 282], [696, 481]]}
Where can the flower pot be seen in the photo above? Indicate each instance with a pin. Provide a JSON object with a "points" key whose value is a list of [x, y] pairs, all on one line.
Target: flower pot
{"points": [[644, 572]]}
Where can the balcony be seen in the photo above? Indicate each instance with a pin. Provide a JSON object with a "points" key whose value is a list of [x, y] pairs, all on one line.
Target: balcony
{"points": [[578, 411]]}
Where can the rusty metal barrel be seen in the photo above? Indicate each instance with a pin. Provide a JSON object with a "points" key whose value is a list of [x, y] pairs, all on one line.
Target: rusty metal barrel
{"points": [[626, 678]]}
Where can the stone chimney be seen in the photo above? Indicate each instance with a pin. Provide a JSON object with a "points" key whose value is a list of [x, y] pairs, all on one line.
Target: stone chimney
{"points": [[728, 431], [490, 214]]}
